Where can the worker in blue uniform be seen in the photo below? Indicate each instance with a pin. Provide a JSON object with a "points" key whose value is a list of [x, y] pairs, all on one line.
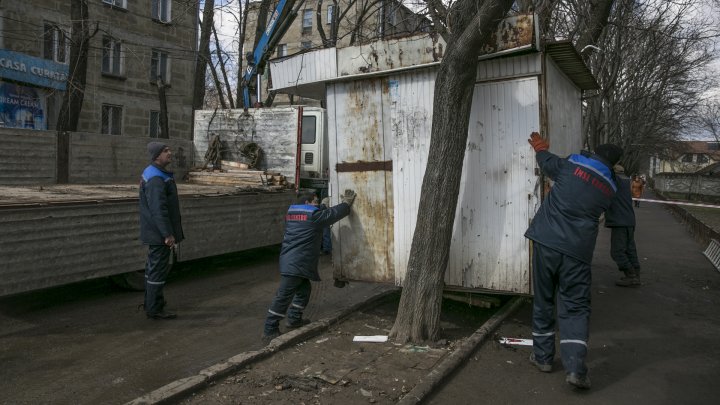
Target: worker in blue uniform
{"points": [[160, 226], [563, 232], [299, 256]]}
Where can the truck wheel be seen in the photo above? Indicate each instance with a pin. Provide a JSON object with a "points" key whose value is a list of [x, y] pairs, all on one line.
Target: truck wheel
{"points": [[134, 280]]}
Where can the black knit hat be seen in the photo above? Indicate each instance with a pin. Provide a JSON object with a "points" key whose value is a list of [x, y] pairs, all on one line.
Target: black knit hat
{"points": [[155, 149], [610, 152]]}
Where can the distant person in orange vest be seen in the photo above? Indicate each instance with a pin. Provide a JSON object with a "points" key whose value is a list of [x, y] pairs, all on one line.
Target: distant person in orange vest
{"points": [[637, 185]]}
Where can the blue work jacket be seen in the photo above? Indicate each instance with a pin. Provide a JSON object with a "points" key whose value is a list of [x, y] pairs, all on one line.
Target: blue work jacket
{"points": [[159, 207], [568, 218], [304, 225]]}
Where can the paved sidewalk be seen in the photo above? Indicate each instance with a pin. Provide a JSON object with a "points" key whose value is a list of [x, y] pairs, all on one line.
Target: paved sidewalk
{"points": [[657, 344]]}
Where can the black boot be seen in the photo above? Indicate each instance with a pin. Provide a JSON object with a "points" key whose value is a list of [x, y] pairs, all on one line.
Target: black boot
{"points": [[631, 278]]}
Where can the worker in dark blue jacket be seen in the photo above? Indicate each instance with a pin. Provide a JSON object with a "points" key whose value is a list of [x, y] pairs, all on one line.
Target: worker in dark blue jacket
{"points": [[564, 231], [620, 218], [299, 255], [160, 226]]}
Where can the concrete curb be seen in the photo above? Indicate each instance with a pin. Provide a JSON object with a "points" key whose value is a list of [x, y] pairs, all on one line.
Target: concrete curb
{"points": [[438, 374], [183, 387]]}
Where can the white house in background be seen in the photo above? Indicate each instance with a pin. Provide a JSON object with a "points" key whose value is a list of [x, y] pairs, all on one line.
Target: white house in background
{"points": [[689, 157]]}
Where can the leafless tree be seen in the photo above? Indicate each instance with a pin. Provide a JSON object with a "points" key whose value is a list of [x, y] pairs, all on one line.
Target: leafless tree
{"points": [[203, 57], [79, 47]]}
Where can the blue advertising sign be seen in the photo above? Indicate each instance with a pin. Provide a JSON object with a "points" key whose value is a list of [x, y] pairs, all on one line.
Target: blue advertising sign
{"points": [[22, 107], [29, 69]]}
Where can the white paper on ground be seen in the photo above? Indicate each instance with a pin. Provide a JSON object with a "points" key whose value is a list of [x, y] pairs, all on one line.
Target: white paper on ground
{"points": [[513, 341], [371, 339]]}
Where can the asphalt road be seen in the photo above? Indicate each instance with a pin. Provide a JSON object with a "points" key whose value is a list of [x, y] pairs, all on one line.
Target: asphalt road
{"points": [[656, 344], [87, 343]]}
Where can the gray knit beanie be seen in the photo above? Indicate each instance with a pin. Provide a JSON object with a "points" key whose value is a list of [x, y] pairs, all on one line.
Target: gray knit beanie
{"points": [[155, 149]]}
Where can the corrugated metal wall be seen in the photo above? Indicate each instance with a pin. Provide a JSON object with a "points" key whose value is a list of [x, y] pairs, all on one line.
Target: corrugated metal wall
{"points": [[27, 157], [497, 197], [411, 111], [45, 246], [218, 225], [509, 67], [105, 159], [564, 107], [364, 240], [305, 68], [273, 129]]}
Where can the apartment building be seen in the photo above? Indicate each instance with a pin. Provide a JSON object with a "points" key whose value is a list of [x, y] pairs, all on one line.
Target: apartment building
{"points": [[135, 45], [358, 22]]}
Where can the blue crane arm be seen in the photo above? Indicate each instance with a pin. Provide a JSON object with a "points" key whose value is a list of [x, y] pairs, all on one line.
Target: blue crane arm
{"points": [[278, 24]]}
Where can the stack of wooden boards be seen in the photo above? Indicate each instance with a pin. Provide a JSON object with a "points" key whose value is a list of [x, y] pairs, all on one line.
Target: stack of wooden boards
{"points": [[239, 175]]}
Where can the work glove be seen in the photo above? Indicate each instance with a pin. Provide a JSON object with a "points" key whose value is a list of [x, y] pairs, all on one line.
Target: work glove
{"points": [[538, 143], [348, 197]]}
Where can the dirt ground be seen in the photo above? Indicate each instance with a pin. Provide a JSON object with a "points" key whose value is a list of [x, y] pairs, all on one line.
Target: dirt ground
{"points": [[332, 369]]}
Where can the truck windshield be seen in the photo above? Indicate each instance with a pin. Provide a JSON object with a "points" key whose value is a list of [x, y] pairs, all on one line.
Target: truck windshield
{"points": [[308, 129]]}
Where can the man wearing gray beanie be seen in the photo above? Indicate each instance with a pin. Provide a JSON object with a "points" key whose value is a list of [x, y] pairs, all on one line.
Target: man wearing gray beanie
{"points": [[563, 232], [160, 226]]}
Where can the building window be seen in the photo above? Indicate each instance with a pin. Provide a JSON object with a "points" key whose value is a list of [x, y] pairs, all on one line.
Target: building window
{"points": [[161, 10], [155, 129], [160, 66], [307, 21], [56, 44], [330, 14], [112, 56], [116, 3], [702, 158], [306, 45], [687, 158], [111, 119], [282, 50]]}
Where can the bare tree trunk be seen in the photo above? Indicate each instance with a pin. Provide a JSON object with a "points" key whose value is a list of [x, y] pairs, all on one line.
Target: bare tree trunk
{"points": [[80, 44], [594, 25], [203, 55], [222, 68], [164, 126], [218, 86], [420, 304], [241, 40]]}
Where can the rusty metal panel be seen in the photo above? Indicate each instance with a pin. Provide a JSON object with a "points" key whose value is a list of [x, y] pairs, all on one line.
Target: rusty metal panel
{"points": [[27, 157], [497, 197], [564, 109], [411, 112], [513, 33], [509, 67], [364, 240], [390, 54], [53, 244], [99, 158]]}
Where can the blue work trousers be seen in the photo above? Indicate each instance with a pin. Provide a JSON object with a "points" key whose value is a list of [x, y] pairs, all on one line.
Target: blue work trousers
{"points": [[559, 278], [294, 292], [157, 267]]}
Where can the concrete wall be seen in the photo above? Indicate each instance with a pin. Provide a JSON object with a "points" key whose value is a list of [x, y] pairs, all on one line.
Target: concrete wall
{"points": [[107, 159], [688, 186], [27, 157]]}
